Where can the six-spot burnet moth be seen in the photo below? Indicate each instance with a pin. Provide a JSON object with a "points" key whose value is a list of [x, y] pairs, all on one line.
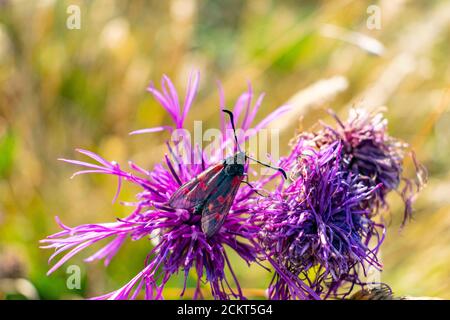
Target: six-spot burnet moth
{"points": [[212, 192]]}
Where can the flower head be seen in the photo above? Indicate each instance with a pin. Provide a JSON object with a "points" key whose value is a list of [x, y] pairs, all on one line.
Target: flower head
{"points": [[179, 245], [320, 232], [371, 153], [316, 231]]}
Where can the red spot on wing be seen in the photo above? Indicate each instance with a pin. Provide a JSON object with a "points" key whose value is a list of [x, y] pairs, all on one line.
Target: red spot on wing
{"points": [[197, 189], [236, 182], [214, 214]]}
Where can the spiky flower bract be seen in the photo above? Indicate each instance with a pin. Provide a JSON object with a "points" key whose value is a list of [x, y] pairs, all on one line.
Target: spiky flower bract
{"points": [[180, 244]]}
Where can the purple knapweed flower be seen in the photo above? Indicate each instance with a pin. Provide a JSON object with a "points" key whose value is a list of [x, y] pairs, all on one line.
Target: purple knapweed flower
{"points": [[178, 243], [370, 152], [321, 231], [317, 232]]}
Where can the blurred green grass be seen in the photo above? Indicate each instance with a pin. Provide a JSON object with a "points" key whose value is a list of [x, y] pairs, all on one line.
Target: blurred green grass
{"points": [[61, 89]]}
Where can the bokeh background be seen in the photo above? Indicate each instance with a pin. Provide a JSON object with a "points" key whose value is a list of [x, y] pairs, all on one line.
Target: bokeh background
{"points": [[61, 89]]}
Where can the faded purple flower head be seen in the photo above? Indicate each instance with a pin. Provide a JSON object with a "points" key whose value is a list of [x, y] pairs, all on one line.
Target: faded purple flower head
{"points": [[179, 245], [371, 153], [320, 232], [316, 231]]}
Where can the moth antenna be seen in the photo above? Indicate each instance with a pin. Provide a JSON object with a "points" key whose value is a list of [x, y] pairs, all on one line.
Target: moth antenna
{"points": [[233, 126], [269, 166]]}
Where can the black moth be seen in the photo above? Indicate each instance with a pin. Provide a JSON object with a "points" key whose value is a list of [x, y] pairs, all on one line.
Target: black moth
{"points": [[212, 192]]}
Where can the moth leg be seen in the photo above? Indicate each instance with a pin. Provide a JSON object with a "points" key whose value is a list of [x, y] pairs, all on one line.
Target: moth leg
{"points": [[253, 188]]}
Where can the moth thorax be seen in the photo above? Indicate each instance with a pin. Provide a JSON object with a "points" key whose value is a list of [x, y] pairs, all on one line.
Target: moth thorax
{"points": [[238, 158], [234, 169]]}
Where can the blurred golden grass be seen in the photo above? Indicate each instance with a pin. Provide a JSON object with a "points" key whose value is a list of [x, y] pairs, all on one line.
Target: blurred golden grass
{"points": [[61, 89]]}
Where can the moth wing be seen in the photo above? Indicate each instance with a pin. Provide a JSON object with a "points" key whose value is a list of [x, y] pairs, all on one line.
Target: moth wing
{"points": [[197, 189], [219, 204]]}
